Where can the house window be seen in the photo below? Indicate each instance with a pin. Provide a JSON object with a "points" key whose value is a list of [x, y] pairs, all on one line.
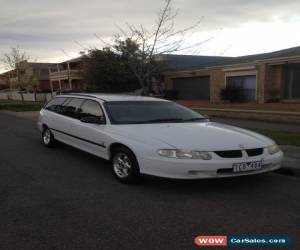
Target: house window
{"points": [[44, 72], [246, 82], [292, 81]]}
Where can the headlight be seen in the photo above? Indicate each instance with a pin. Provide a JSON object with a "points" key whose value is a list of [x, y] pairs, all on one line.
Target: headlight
{"points": [[273, 149], [182, 154]]}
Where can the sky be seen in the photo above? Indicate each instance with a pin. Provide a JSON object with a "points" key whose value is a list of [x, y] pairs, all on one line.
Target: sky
{"points": [[53, 31]]}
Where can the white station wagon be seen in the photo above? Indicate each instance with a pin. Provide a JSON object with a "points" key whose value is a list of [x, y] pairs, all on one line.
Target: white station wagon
{"points": [[144, 135]]}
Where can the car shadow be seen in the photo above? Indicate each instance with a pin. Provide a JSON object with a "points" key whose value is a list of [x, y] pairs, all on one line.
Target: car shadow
{"points": [[216, 184]]}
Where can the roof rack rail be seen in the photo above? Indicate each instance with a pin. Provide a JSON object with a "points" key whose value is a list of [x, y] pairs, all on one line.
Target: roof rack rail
{"points": [[83, 95], [78, 94]]}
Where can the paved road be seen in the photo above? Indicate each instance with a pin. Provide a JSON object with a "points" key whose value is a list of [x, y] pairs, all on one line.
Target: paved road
{"points": [[62, 198]]}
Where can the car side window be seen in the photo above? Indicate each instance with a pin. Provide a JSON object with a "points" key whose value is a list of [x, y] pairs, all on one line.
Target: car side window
{"points": [[90, 108], [55, 104], [72, 108]]}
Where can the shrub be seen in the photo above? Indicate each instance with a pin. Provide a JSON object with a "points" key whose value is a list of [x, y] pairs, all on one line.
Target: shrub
{"points": [[232, 93], [170, 94], [274, 95]]}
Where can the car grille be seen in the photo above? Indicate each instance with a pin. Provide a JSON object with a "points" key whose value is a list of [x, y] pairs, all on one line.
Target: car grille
{"points": [[238, 153], [229, 153], [254, 151]]}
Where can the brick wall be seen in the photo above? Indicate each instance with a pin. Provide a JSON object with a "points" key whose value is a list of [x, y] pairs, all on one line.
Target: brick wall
{"points": [[217, 82], [260, 82], [269, 77], [44, 85]]}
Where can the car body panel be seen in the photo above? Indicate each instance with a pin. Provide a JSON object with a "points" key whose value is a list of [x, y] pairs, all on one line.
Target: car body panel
{"points": [[204, 136]]}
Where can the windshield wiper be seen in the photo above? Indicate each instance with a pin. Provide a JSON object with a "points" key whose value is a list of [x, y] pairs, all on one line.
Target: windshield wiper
{"points": [[162, 120]]}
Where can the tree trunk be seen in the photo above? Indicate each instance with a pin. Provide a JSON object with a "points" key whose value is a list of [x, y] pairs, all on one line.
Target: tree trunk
{"points": [[22, 97]]}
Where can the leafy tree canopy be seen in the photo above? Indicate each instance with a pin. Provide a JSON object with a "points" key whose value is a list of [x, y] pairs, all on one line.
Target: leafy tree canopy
{"points": [[106, 71]]}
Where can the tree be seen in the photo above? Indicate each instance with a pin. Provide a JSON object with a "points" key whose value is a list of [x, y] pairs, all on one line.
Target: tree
{"points": [[14, 62], [142, 48], [20, 73], [106, 71]]}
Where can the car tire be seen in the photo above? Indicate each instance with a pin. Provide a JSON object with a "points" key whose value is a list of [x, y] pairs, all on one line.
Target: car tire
{"points": [[48, 138], [125, 166]]}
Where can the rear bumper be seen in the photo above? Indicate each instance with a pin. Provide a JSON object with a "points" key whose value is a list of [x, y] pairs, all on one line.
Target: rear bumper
{"points": [[199, 169]]}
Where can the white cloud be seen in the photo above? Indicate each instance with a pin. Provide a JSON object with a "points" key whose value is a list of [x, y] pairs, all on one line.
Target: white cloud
{"points": [[45, 28]]}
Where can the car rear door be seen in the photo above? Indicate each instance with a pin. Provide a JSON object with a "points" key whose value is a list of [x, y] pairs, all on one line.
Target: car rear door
{"points": [[91, 137], [63, 120], [51, 111]]}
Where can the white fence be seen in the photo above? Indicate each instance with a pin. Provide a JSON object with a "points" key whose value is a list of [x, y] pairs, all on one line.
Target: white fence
{"points": [[41, 97], [29, 97]]}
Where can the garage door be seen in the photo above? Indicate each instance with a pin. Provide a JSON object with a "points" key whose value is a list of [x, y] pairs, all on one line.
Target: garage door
{"points": [[192, 88]]}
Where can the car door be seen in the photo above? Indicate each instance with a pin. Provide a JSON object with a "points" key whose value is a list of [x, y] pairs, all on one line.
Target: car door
{"points": [[91, 137], [64, 118], [52, 114]]}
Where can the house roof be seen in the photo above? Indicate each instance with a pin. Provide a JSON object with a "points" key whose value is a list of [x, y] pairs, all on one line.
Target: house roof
{"points": [[76, 59], [38, 65], [182, 62], [275, 55]]}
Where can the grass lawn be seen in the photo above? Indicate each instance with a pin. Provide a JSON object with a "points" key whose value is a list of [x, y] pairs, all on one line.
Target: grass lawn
{"points": [[20, 107], [281, 137], [290, 107]]}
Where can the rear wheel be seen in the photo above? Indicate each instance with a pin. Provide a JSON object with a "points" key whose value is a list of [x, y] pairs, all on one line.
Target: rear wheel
{"points": [[125, 166], [48, 138]]}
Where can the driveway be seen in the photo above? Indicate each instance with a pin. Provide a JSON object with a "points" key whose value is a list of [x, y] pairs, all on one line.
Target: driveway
{"points": [[62, 198]]}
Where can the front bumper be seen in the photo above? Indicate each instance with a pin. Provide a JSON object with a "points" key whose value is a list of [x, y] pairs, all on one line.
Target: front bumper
{"points": [[201, 169]]}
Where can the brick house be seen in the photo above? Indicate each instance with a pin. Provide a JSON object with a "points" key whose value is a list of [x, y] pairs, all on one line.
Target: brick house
{"points": [[66, 75], [264, 77], [3, 81], [32, 74]]}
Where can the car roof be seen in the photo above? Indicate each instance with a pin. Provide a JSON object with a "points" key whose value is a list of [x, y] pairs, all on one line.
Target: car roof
{"points": [[112, 97]]}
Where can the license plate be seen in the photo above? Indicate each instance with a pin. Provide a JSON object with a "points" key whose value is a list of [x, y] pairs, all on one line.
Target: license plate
{"points": [[246, 166]]}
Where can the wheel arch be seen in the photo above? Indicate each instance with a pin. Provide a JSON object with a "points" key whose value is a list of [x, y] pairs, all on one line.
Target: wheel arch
{"points": [[116, 145], [44, 126]]}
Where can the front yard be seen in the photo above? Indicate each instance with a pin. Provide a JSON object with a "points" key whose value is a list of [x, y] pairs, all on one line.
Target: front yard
{"points": [[281, 137], [20, 107], [283, 107]]}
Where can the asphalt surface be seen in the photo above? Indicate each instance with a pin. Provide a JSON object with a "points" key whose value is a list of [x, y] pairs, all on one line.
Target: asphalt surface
{"points": [[62, 198]]}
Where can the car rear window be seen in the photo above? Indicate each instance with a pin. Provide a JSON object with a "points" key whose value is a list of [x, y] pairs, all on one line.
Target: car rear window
{"points": [[55, 104], [90, 108], [72, 108]]}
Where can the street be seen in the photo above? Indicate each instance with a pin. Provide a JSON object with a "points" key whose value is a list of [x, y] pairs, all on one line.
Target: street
{"points": [[63, 198]]}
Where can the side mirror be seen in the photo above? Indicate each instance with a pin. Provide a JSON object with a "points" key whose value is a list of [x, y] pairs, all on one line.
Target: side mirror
{"points": [[93, 119]]}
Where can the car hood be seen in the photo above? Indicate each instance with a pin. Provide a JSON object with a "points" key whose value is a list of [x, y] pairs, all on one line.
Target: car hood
{"points": [[206, 136]]}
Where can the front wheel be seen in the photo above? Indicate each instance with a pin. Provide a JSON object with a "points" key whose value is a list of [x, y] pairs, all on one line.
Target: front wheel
{"points": [[48, 138], [125, 166]]}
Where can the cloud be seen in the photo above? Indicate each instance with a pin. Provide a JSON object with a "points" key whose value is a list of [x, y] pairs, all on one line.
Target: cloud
{"points": [[45, 28]]}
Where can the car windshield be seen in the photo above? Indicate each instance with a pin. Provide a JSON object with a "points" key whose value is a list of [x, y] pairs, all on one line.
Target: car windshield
{"points": [[142, 112]]}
